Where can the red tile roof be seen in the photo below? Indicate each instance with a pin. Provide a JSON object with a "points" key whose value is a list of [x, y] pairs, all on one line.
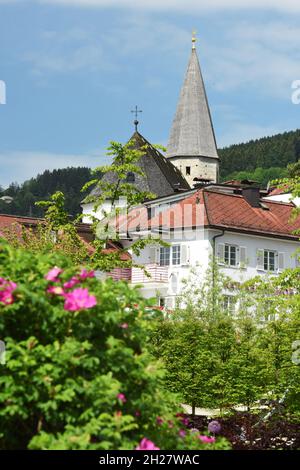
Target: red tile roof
{"points": [[8, 222], [188, 213], [213, 208], [233, 211]]}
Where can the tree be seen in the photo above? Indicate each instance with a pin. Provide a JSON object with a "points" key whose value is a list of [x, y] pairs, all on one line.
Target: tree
{"points": [[219, 360], [125, 160]]}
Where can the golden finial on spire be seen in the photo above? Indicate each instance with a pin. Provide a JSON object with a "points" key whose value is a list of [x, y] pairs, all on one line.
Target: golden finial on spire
{"points": [[194, 39]]}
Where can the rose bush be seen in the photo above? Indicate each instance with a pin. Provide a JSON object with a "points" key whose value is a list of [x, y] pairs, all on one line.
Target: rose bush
{"points": [[78, 373]]}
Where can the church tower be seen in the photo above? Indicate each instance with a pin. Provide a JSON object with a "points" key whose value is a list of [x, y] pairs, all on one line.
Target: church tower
{"points": [[192, 144]]}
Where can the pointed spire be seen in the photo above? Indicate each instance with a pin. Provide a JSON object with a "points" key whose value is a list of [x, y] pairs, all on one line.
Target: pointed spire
{"points": [[194, 39], [192, 133]]}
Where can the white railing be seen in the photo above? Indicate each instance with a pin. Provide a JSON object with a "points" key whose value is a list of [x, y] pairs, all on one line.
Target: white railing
{"points": [[155, 274], [120, 274]]}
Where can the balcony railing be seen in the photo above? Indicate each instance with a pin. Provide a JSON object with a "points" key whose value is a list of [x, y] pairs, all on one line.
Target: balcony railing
{"points": [[120, 274], [155, 274], [138, 276]]}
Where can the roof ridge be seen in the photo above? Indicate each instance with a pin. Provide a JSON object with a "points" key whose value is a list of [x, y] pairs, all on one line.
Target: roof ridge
{"points": [[264, 199], [158, 156], [21, 217]]}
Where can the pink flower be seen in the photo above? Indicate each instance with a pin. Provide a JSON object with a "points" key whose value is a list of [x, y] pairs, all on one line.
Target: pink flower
{"points": [[53, 274], [56, 290], [207, 439], [182, 433], [79, 299], [185, 421], [7, 285], [85, 274], [137, 413], [6, 290], [124, 326], [146, 444], [122, 397], [71, 283], [6, 298]]}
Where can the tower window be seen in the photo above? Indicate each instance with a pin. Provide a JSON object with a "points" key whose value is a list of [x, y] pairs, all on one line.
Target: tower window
{"points": [[187, 170], [130, 177]]}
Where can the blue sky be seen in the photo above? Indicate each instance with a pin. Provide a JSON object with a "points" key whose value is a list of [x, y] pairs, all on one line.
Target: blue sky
{"points": [[75, 68]]}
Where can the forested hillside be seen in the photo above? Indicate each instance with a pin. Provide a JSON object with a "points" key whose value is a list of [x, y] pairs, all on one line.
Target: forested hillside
{"points": [[67, 180], [269, 156]]}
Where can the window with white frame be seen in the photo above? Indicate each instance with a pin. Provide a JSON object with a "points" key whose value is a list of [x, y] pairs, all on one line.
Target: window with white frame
{"points": [[164, 255], [229, 303], [170, 255], [176, 253], [269, 260], [231, 255]]}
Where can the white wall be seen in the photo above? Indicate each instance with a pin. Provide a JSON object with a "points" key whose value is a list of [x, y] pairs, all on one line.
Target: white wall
{"points": [[201, 167], [252, 244], [200, 253], [195, 253]]}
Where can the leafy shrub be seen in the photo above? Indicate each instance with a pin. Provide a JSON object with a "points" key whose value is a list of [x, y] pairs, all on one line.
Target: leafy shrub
{"points": [[81, 378]]}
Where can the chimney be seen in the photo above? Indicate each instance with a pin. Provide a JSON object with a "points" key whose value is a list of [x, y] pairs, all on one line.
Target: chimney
{"points": [[252, 196]]}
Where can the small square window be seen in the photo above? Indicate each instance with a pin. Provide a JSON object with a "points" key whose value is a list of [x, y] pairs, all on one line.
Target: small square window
{"points": [[187, 170]]}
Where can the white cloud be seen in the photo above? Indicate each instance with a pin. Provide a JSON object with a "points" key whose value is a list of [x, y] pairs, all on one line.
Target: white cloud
{"points": [[66, 52], [263, 57], [22, 165], [186, 6], [73, 50]]}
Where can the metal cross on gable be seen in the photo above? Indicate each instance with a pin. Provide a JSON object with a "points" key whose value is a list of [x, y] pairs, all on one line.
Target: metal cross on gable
{"points": [[136, 111]]}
